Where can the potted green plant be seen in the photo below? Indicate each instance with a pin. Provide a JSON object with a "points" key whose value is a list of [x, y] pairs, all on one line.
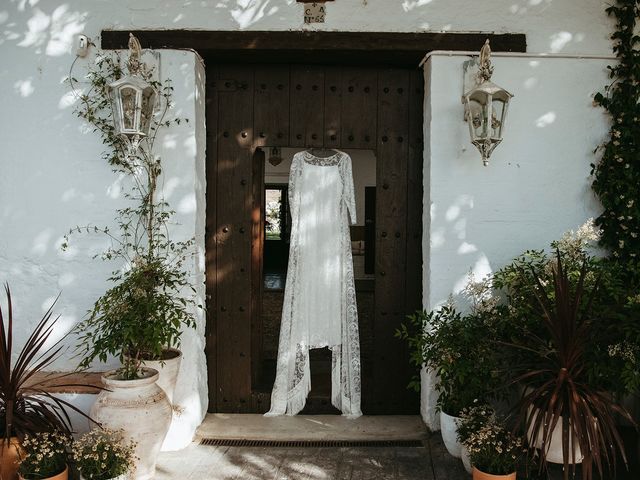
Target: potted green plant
{"points": [[44, 456], [26, 406], [455, 347], [139, 319], [559, 404], [104, 454], [494, 452]]}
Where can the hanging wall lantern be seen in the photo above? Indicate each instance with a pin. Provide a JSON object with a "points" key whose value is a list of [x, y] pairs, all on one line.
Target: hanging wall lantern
{"points": [[486, 108], [133, 99]]}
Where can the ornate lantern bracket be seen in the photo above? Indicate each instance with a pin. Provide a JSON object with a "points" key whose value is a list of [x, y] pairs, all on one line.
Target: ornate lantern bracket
{"points": [[486, 107]]}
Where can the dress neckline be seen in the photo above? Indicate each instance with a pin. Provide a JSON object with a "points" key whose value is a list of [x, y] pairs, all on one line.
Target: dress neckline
{"points": [[322, 161]]}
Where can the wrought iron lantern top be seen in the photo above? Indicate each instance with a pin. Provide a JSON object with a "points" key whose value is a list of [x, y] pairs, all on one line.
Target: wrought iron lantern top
{"points": [[486, 108]]}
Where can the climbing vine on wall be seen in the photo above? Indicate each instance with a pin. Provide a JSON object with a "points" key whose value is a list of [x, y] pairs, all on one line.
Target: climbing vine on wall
{"points": [[617, 175]]}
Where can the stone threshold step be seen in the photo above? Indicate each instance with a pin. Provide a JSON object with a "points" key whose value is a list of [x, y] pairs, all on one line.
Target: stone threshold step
{"points": [[222, 426]]}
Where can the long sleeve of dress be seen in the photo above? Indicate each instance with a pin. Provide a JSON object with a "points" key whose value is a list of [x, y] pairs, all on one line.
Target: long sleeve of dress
{"points": [[294, 176], [348, 194]]}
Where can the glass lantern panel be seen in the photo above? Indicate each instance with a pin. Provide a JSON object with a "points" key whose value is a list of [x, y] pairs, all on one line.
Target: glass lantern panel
{"points": [[147, 108], [497, 118], [128, 99], [476, 120]]}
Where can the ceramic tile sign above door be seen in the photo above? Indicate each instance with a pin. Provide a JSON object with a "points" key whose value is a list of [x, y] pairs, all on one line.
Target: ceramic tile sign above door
{"points": [[314, 12]]}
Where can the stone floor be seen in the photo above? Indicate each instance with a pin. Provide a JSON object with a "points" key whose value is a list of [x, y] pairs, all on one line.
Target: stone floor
{"points": [[428, 461], [200, 462]]}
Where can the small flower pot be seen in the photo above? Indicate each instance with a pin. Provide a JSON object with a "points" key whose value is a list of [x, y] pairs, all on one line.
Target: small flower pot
{"points": [[64, 475], [9, 459], [478, 475]]}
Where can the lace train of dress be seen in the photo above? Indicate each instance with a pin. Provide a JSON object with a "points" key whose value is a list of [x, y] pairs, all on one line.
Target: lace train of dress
{"points": [[319, 307]]}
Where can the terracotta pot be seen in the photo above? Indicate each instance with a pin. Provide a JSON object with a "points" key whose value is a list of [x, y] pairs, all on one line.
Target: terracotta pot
{"points": [[168, 371], [141, 409], [9, 459], [449, 431], [478, 475], [61, 476]]}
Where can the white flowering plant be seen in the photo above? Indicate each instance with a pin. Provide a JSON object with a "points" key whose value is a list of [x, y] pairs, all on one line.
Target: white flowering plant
{"points": [[103, 454], [495, 450], [43, 455], [473, 419]]}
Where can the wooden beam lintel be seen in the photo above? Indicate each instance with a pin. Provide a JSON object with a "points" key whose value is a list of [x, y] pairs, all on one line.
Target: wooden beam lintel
{"points": [[383, 45]]}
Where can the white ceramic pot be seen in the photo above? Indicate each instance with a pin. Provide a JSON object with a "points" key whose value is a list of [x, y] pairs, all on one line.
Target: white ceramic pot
{"points": [[554, 447], [168, 370], [466, 460], [449, 431], [141, 409]]}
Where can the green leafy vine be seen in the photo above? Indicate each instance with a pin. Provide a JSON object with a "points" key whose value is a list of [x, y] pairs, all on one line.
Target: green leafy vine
{"points": [[617, 174], [152, 297]]}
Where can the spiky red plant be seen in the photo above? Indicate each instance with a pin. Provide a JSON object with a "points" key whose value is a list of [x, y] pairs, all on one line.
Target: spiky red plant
{"points": [[555, 379], [26, 406]]}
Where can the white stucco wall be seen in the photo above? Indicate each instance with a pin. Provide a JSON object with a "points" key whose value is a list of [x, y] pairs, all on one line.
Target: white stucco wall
{"points": [[52, 178], [536, 186], [568, 26]]}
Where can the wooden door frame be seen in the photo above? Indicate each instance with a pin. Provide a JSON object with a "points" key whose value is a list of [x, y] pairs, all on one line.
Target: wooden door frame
{"points": [[332, 48], [372, 49]]}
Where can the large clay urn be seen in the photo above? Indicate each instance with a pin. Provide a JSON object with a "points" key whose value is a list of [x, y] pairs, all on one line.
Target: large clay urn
{"points": [[141, 409]]}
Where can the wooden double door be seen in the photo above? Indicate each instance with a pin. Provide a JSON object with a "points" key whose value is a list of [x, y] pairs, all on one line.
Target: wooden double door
{"points": [[249, 107]]}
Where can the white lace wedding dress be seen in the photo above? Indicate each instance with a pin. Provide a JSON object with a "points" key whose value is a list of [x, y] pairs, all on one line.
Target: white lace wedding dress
{"points": [[320, 300]]}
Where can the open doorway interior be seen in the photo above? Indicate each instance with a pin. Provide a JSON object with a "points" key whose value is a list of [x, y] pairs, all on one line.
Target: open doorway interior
{"points": [[277, 232]]}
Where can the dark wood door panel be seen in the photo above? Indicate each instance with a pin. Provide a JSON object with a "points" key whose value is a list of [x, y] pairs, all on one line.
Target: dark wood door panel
{"points": [[333, 107], [271, 106], [390, 377], [358, 120], [211, 254], [307, 107], [234, 231], [415, 192]]}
